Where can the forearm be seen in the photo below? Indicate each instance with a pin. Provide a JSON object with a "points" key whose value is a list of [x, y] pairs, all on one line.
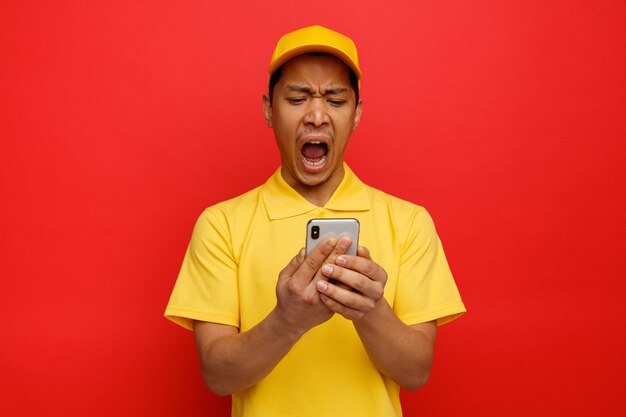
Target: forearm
{"points": [[400, 352], [235, 361], [232, 361]]}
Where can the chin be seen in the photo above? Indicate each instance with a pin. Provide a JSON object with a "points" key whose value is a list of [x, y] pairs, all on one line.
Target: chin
{"points": [[313, 180]]}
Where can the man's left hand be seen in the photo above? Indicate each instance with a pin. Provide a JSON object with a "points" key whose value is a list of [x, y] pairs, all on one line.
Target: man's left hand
{"points": [[364, 283]]}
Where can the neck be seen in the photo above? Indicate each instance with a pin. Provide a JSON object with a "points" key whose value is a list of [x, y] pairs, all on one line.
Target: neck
{"points": [[318, 194]]}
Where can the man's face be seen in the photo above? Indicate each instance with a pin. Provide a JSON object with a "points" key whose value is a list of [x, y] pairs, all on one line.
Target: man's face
{"points": [[313, 114]]}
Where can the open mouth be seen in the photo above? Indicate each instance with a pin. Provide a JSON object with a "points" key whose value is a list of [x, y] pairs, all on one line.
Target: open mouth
{"points": [[314, 154]]}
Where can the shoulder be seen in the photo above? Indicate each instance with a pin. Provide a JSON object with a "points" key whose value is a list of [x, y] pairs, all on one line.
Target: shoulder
{"points": [[223, 216], [244, 202], [410, 221], [402, 210]]}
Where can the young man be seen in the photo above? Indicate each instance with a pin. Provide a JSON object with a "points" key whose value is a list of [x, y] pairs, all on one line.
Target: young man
{"points": [[324, 334]]}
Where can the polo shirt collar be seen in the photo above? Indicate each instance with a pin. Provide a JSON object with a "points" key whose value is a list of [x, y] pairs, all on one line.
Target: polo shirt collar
{"points": [[282, 201]]}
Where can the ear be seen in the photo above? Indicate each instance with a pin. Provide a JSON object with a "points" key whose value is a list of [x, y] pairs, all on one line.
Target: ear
{"points": [[267, 110], [357, 114]]}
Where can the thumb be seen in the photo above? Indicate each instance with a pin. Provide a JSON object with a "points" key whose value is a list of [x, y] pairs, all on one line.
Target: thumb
{"points": [[363, 252], [293, 265]]}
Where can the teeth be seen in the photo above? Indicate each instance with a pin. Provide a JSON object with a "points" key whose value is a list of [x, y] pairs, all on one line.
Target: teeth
{"points": [[315, 142], [314, 162]]}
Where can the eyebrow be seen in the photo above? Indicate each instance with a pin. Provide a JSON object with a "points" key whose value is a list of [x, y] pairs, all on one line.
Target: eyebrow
{"points": [[307, 90]]}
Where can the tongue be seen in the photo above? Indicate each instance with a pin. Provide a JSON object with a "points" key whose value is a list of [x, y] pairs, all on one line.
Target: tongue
{"points": [[314, 151]]}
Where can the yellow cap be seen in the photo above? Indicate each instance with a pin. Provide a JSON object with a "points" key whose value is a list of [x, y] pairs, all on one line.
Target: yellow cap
{"points": [[315, 39]]}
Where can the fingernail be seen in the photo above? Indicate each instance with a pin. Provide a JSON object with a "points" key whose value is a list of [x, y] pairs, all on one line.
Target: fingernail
{"points": [[341, 260], [327, 269], [331, 243], [344, 244], [322, 285]]}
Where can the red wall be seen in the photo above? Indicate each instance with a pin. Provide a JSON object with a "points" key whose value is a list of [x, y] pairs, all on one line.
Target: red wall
{"points": [[121, 121]]}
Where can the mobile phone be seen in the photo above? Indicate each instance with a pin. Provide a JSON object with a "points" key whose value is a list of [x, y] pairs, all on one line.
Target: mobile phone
{"points": [[319, 229]]}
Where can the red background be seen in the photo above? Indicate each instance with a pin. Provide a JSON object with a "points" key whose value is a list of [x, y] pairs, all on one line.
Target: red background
{"points": [[121, 121]]}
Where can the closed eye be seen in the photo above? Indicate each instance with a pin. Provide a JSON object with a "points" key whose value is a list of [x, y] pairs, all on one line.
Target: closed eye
{"points": [[337, 102], [295, 100]]}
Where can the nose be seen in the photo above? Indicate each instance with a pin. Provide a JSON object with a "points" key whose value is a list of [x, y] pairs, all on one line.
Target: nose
{"points": [[316, 113]]}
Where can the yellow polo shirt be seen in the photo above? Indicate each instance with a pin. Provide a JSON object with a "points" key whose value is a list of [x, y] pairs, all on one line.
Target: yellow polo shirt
{"points": [[229, 276]]}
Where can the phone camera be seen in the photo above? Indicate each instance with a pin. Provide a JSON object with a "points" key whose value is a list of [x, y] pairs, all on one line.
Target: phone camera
{"points": [[315, 232]]}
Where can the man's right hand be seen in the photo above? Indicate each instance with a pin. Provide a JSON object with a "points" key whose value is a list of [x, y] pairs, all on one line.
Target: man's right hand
{"points": [[299, 307], [232, 361]]}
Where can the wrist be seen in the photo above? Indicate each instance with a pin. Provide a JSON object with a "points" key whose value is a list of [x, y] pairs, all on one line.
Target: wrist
{"points": [[282, 327], [374, 316]]}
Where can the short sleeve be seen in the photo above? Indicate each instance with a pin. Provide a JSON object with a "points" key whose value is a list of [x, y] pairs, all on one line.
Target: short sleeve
{"points": [[206, 288], [426, 289]]}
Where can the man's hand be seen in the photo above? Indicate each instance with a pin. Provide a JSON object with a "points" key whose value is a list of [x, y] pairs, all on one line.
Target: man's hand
{"points": [[403, 353], [299, 307], [232, 361], [363, 284]]}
